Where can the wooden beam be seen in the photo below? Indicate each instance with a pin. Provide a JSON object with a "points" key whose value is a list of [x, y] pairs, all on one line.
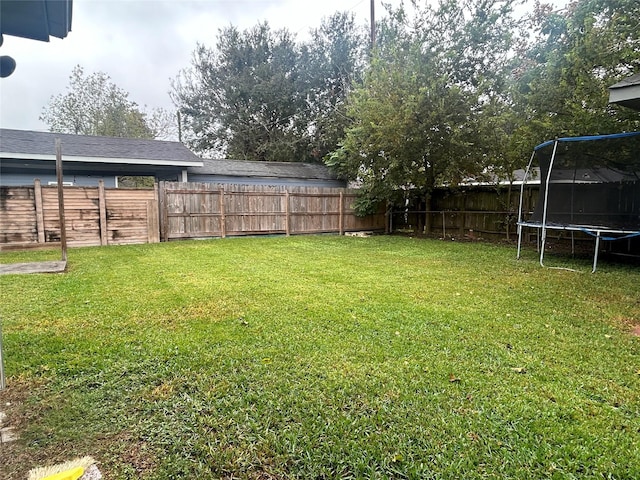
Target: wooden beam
{"points": [[102, 205], [37, 190], [287, 213], [153, 217], [63, 227], [223, 219], [164, 211], [341, 218]]}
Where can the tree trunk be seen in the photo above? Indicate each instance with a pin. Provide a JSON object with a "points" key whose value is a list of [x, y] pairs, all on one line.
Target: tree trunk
{"points": [[509, 190], [427, 215]]}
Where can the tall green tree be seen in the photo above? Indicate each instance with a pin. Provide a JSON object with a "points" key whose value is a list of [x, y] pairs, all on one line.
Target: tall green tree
{"points": [[241, 97], [332, 61], [94, 105], [260, 95], [573, 55], [418, 116]]}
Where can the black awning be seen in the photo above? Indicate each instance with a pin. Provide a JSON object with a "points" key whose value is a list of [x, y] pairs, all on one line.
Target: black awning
{"points": [[36, 19]]}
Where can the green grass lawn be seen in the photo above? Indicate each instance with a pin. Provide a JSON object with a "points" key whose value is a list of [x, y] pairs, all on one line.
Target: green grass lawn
{"points": [[323, 357]]}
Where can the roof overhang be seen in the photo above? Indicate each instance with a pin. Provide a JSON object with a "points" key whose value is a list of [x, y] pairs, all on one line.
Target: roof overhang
{"points": [[626, 92], [36, 19], [129, 161]]}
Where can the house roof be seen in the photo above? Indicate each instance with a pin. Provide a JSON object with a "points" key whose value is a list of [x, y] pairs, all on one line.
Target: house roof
{"points": [[626, 92], [632, 80], [31, 145], [244, 168]]}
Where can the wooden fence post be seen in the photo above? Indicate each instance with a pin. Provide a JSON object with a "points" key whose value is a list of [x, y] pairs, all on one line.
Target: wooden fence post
{"points": [[223, 218], [444, 225], [102, 205], [287, 214], [388, 224], [341, 214], [153, 220], [163, 215], [37, 190], [59, 176], [463, 217]]}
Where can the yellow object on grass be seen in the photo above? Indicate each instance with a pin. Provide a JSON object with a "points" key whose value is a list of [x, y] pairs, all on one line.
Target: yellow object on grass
{"points": [[71, 470], [73, 474]]}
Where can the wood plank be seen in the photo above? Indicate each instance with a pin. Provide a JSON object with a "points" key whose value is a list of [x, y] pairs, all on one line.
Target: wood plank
{"points": [[33, 267], [103, 213], [287, 200], [223, 219], [28, 246], [153, 223]]}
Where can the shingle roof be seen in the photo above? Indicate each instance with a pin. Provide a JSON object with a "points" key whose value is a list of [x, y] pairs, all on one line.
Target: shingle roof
{"points": [[626, 92], [244, 168], [26, 142], [627, 82]]}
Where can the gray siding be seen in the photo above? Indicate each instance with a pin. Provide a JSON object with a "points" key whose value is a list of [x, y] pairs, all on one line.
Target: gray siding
{"points": [[25, 179]]}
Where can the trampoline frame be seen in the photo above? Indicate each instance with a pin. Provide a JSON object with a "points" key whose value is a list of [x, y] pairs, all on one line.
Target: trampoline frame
{"points": [[598, 231]]}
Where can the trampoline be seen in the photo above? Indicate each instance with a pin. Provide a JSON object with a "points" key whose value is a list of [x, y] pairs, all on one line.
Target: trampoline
{"points": [[588, 184]]}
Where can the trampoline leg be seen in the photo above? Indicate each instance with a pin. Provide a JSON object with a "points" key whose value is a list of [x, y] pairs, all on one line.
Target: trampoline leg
{"points": [[542, 245], [595, 254], [519, 241]]}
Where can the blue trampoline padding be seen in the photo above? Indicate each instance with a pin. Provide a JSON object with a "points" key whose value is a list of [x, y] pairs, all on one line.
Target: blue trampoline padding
{"points": [[586, 138], [610, 239]]}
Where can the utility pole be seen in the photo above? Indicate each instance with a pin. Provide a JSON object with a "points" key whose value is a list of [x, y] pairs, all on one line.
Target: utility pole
{"points": [[373, 24]]}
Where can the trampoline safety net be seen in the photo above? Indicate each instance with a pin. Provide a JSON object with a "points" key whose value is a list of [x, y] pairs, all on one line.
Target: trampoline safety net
{"points": [[591, 181], [587, 183]]}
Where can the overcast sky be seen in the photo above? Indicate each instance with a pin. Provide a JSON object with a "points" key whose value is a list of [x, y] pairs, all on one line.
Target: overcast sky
{"points": [[141, 45]]}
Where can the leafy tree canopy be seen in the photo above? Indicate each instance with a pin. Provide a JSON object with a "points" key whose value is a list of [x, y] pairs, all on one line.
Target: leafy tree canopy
{"points": [[570, 59], [260, 95], [94, 105], [453, 89], [420, 116]]}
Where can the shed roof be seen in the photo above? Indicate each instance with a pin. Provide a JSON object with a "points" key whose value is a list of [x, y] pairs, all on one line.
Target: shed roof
{"points": [[626, 92], [245, 168], [632, 80], [27, 144]]}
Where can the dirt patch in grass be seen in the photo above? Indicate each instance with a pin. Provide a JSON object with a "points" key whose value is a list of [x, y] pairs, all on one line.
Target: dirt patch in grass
{"points": [[112, 452], [15, 459], [12, 399], [124, 452], [628, 324]]}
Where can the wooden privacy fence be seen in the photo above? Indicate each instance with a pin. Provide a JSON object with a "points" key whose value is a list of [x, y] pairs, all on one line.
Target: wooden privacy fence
{"points": [[171, 211], [29, 216], [489, 225], [200, 210], [475, 212]]}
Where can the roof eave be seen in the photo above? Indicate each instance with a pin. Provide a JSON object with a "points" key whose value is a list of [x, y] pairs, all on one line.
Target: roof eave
{"points": [[129, 161], [627, 96]]}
